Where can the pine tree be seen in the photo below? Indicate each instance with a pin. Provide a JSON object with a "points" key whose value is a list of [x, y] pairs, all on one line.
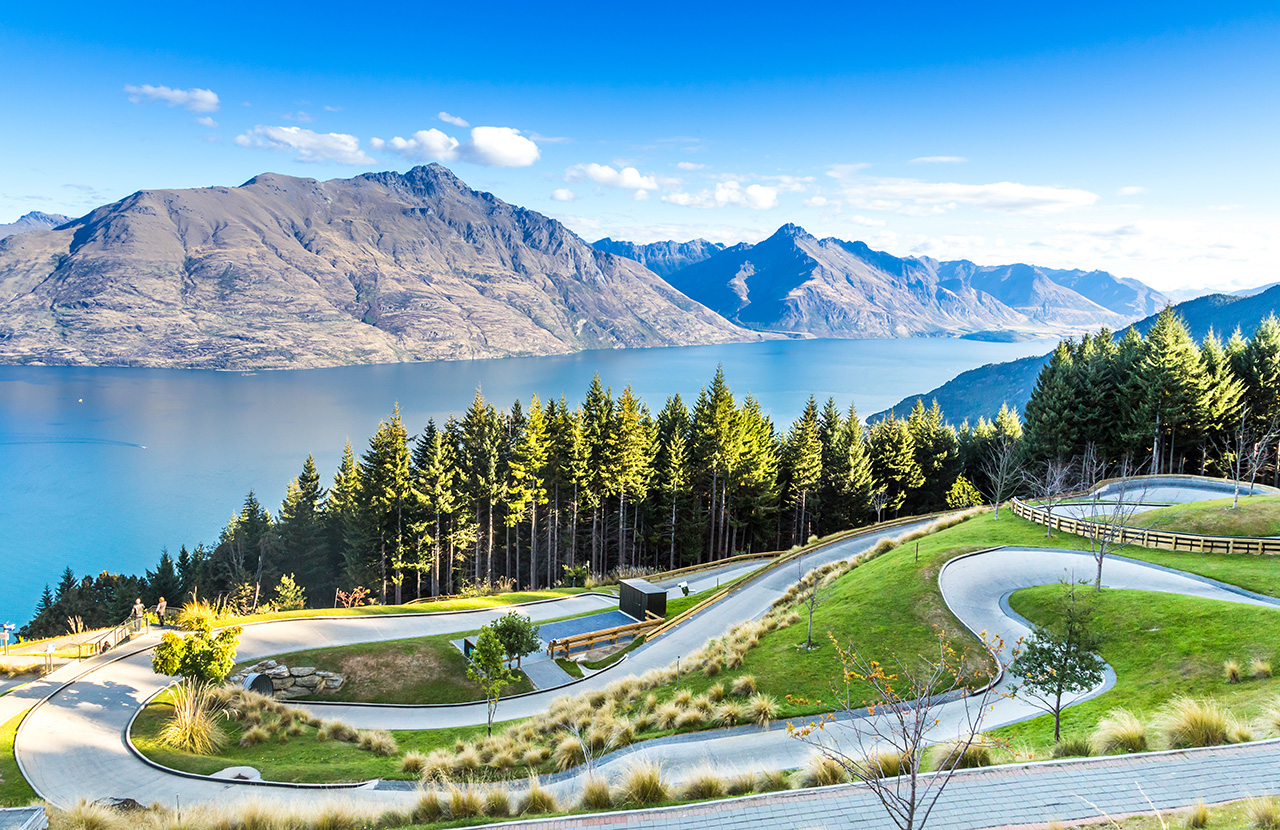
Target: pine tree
{"points": [[1052, 413], [1171, 383], [434, 488], [804, 460], [304, 545], [937, 451], [597, 423], [342, 521], [164, 582], [1220, 403], [672, 469], [855, 481], [528, 478], [893, 461], [386, 499]]}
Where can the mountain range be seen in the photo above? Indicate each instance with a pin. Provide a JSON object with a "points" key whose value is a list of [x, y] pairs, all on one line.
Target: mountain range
{"points": [[981, 391], [293, 272], [33, 221], [796, 283], [387, 267]]}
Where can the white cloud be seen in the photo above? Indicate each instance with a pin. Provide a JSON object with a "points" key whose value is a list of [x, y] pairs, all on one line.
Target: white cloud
{"points": [[550, 139], [206, 121], [628, 178], [452, 119], [331, 108], [818, 201], [867, 222], [731, 193], [641, 196], [304, 117], [914, 197], [689, 165], [563, 194], [309, 145], [939, 160], [1131, 190], [195, 99], [488, 146]]}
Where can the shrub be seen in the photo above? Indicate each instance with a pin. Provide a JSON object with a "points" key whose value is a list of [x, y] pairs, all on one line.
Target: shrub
{"points": [[1072, 748], [463, 803], [1238, 732], [822, 771], [744, 685], [437, 764], [379, 742], [1259, 668], [682, 698], [428, 808], [712, 668], [690, 719], [341, 817], [643, 785], [1264, 813], [704, 784], [193, 727], [1186, 723], [664, 717], [414, 763], [1231, 671], [568, 753], [535, 755], [497, 803], [338, 731], [1119, 731], [1198, 815], [761, 709], [774, 780], [198, 616], [295, 729], [253, 736], [716, 693], [467, 758], [596, 795], [536, 800]]}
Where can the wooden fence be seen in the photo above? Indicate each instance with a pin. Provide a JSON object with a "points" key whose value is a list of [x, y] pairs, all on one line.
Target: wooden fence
{"points": [[606, 635], [1147, 538]]}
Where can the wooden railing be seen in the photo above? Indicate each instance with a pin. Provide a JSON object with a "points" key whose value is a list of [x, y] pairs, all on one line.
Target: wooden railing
{"points": [[1148, 538], [609, 635]]}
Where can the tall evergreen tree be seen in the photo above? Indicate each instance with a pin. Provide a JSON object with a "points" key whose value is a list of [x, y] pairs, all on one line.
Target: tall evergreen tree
{"points": [[893, 461], [304, 544], [804, 462]]}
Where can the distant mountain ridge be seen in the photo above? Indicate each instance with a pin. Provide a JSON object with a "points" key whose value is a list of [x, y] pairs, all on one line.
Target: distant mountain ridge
{"points": [[34, 221], [662, 258], [981, 391], [291, 272], [793, 282]]}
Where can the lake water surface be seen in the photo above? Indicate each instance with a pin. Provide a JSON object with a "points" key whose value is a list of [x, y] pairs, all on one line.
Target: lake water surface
{"points": [[101, 467]]}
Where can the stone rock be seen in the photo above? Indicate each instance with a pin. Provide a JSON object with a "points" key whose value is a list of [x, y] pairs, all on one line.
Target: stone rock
{"points": [[302, 671], [335, 683], [277, 672], [279, 683], [309, 681]]}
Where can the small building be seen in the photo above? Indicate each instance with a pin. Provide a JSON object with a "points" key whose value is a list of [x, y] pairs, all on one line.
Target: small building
{"points": [[640, 598]]}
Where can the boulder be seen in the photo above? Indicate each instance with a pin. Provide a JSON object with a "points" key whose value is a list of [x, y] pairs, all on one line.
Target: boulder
{"points": [[302, 671], [279, 683], [308, 682], [278, 672]]}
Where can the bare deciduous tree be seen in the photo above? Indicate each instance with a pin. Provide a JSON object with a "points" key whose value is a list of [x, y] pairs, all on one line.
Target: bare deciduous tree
{"points": [[911, 707], [1246, 450], [879, 500], [1003, 469], [1049, 484], [1112, 508]]}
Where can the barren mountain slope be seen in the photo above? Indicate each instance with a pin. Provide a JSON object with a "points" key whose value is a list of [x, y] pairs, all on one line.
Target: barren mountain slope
{"points": [[288, 272]]}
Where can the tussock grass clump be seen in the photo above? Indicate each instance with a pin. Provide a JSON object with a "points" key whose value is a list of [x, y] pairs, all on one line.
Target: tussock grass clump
{"points": [[468, 758], [704, 784], [428, 809], [690, 718], [198, 616], [535, 755], [253, 736], [715, 694], [774, 780], [1185, 723], [437, 765], [596, 795], [336, 730], [643, 785], [888, 764], [1264, 813], [744, 685], [345, 817], [729, 714], [569, 752], [1072, 748], [1259, 668], [463, 803], [747, 782], [1198, 816], [1119, 731], [666, 715], [712, 668], [1238, 732], [414, 763], [952, 756], [536, 800], [822, 771], [193, 727], [379, 742], [761, 709], [1231, 671], [497, 803]]}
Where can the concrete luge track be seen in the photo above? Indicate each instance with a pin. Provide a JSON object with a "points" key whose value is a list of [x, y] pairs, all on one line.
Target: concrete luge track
{"points": [[74, 744]]}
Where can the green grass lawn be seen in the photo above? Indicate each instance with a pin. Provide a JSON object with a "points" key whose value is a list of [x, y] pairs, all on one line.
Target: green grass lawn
{"points": [[14, 789], [1161, 646], [301, 759], [462, 604], [416, 670], [1256, 516]]}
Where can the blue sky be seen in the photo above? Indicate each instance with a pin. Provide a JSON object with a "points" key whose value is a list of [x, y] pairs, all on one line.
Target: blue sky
{"points": [[1141, 139]]}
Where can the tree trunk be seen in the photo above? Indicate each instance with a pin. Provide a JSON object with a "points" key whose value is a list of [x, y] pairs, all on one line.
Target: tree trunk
{"points": [[533, 542], [672, 563]]}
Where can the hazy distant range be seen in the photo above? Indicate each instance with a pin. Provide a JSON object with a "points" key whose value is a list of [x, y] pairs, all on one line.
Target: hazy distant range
{"points": [[285, 272]]}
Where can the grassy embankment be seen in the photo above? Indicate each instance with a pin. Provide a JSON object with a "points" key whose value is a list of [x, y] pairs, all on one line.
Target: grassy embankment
{"points": [[14, 789], [459, 604], [1255, 516]]}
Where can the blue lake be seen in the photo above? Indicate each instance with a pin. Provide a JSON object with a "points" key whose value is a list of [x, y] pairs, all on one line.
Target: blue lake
{"points": [[100, 467]]}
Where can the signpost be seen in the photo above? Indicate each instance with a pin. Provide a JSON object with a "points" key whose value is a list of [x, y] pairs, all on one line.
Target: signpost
{"points": [[5, 631]]}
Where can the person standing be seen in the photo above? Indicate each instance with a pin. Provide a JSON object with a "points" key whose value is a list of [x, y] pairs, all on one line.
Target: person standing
{"points": [[138, 611], [161, 607]]}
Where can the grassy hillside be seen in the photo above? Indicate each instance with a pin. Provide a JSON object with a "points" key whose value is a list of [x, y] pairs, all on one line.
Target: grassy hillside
{"points": [[1256, 516]]}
